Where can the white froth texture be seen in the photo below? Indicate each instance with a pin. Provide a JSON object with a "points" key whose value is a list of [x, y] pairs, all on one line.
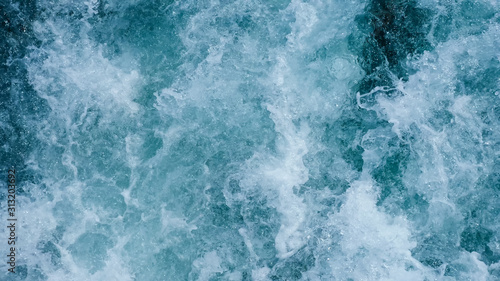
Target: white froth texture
{"points": [[375, 245], [256, 140]]}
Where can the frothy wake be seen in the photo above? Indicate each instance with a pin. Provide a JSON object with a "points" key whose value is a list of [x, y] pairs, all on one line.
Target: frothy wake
{"points": [[250, 140]]}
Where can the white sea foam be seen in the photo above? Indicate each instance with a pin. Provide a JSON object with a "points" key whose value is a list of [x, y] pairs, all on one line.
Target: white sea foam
{"points": [[240, 166]]}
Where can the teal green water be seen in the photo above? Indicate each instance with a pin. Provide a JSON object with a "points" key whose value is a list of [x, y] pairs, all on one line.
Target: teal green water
{"points": [[252, 140]]}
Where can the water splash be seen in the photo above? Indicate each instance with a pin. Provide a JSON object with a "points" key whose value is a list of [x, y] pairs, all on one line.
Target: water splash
{"points": [[249, 140]]}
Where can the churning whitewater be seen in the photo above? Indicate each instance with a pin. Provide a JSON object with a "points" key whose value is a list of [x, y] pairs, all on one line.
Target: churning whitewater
{"points": [[238, 140]]}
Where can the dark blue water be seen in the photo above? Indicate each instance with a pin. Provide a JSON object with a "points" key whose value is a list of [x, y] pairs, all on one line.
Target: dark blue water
{"points": [[252, 140]]}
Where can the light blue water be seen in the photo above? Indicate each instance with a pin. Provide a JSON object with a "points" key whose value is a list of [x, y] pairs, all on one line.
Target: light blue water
{"points": [[252, 140]]}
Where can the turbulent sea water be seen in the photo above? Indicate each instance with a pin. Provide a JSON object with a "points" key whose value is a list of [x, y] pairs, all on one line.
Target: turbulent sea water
{"points": [[251, 140]]}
